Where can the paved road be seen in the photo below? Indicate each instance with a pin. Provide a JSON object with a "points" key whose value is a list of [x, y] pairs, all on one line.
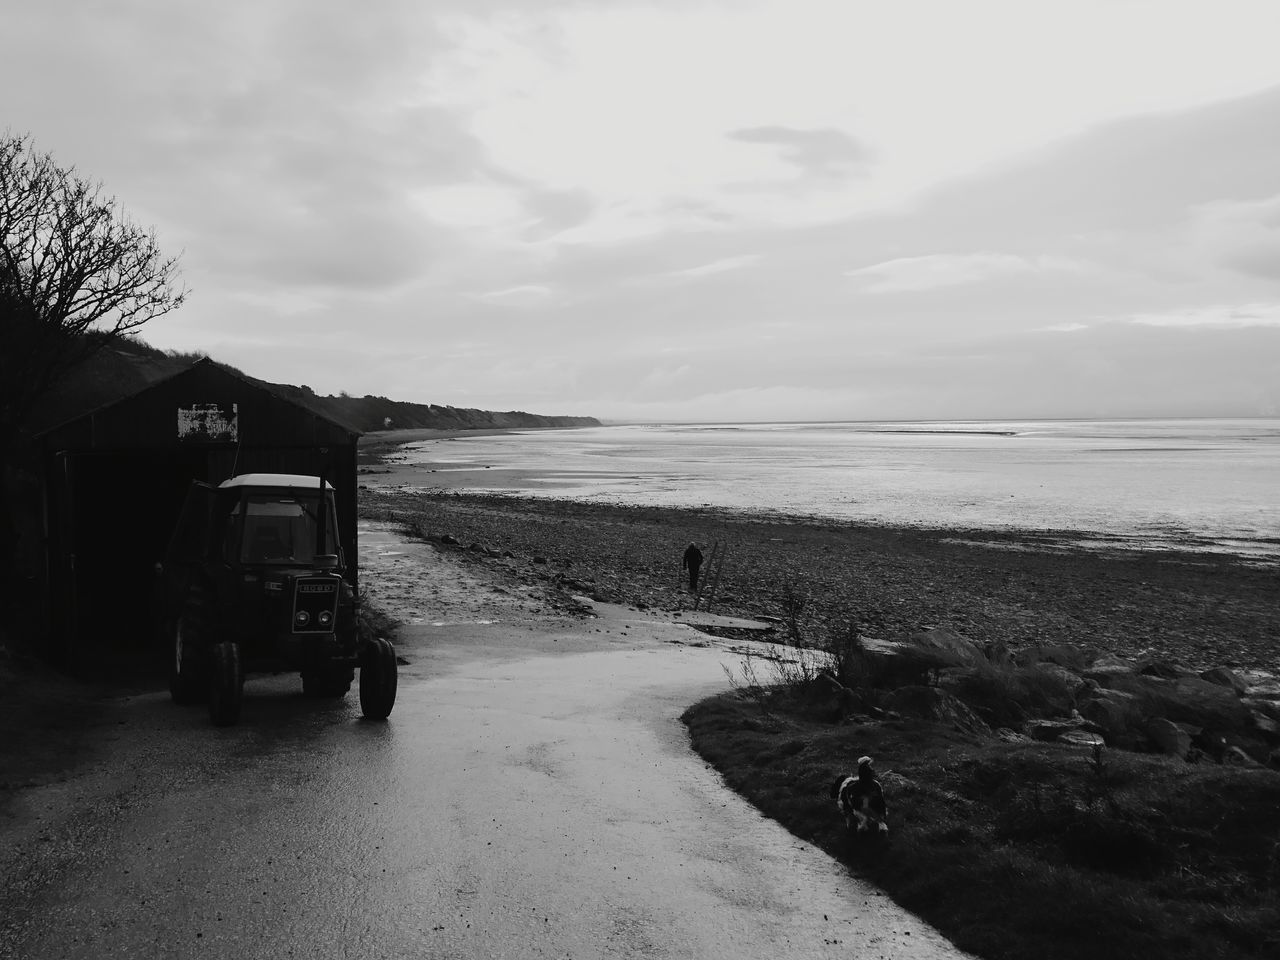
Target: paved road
{"points": [[532, 795]]}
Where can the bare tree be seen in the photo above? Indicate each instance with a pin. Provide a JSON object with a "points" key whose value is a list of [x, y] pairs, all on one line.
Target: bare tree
{"points": [[75, 275]]}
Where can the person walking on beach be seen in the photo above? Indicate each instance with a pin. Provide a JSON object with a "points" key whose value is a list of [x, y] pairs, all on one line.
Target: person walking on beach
{"points": [[692, 562]]}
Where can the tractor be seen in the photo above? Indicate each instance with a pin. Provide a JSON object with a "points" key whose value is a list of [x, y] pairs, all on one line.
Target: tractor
{"points": [[254, 579]]}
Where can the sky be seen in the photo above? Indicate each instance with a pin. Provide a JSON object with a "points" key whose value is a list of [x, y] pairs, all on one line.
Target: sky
{"points": [[697, 210]]}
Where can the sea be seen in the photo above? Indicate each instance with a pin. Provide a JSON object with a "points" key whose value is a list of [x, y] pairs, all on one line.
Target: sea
{"points": [[1208, 485]]}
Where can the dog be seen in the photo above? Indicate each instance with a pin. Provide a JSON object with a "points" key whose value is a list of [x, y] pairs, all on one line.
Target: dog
{"points": [[860, 798]]}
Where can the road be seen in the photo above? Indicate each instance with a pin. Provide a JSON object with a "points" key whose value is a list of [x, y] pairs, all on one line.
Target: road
{"points": [[532, 795]]}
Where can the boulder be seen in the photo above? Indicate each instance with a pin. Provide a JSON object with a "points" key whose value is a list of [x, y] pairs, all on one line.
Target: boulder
{"points": [[890, 664], [1012, 736], [1164, 669], [1236, 757], [1210, 743], [1266, 725], [1209, 704], [1225, 677], [1049, 689], [1050, 730], [827, 696], [1119, 714], [1064, 655], [1260, 683], [1169, 738], [1069, 678], [1189, 699], [936, 705], [1081, 738], [1108, 667], [949, 647], [1256, 705]]}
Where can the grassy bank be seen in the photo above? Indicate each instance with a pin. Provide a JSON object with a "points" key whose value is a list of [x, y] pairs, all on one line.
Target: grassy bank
{"points": [[1025, 851]]}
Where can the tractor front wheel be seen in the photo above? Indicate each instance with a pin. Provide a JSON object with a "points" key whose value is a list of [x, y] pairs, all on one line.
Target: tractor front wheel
{"points": [[226, 684], [378, 679]]}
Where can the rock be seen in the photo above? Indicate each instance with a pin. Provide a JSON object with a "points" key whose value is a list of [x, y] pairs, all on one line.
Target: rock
{"points": [[1012, 736], [1211, 744], [1236, 757], [1047, 731], [1163, 669], [931, 703], [949, 647], [1108, 667], [1050, 688], [890, 664], [1268, 726], [1119, 714], [449, 540], [1260, 683], [1199, 701], [1225, 677], [1169, 737], [1064, 655], [1070, 678], [1270, 708], [1189, 699], [1081, 738], [826, 695]]}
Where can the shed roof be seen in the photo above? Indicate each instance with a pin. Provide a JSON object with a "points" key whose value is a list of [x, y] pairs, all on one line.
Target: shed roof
{"points": [[243, 410]]}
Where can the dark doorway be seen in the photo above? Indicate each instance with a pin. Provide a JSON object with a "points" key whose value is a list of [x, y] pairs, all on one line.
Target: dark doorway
{"points": [[124, 507]]}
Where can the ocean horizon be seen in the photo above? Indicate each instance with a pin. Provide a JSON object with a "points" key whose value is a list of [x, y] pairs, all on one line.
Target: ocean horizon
{"points": [[1200, 484]]}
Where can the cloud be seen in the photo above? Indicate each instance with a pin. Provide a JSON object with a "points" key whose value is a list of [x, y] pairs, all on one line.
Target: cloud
{"points": [[1243, 236], [909, 274], [825, 153], [1221, 315], [523, 295], [717, 266]]}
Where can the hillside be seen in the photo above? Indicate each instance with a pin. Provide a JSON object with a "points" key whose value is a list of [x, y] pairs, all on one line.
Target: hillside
{"points": [[378, 413], [131, 365]]}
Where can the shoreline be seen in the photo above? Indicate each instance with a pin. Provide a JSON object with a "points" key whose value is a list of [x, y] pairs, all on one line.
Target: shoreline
{"points": [[380, 469], [1010, 587]]}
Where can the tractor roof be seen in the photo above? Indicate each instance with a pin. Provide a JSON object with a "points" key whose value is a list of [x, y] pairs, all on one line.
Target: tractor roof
{"points": [[276, 480]]}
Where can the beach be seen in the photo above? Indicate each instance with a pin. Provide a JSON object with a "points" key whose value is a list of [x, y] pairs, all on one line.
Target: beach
{"points": [[1017, 588]]}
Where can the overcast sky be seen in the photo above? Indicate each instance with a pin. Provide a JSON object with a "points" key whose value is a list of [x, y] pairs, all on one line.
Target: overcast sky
{"points": [[783, 209]]}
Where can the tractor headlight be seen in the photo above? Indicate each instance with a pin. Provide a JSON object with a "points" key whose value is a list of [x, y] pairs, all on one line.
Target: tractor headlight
{"points": [[324, 618], [302, 618]]}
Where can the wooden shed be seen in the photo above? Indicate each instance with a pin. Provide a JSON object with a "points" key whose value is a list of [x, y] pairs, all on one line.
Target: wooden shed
{"points": [[114, 481]]}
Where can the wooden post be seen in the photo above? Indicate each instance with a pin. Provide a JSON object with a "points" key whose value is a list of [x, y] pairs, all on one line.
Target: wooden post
{"points": [[717, 562], [702, 581]]}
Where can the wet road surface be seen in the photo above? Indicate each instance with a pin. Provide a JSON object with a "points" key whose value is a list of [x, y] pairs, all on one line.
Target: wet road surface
{"points": [[533, 795]]}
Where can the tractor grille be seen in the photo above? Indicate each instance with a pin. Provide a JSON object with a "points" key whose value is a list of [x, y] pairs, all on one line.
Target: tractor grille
{"points": [[315, 604]]}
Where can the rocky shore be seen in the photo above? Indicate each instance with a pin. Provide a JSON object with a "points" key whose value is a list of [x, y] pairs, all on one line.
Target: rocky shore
{"points": [[1020, 591]]}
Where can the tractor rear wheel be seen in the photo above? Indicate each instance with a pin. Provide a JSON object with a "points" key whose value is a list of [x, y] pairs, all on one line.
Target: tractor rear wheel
{"points": [[226, 684], [378, 679]]}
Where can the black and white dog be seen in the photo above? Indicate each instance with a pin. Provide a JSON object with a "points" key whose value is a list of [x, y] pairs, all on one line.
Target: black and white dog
{"points": [[861, 800]]}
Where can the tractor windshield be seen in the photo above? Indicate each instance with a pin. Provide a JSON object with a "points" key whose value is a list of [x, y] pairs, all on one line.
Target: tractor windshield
{"points": [[277, 530]]}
